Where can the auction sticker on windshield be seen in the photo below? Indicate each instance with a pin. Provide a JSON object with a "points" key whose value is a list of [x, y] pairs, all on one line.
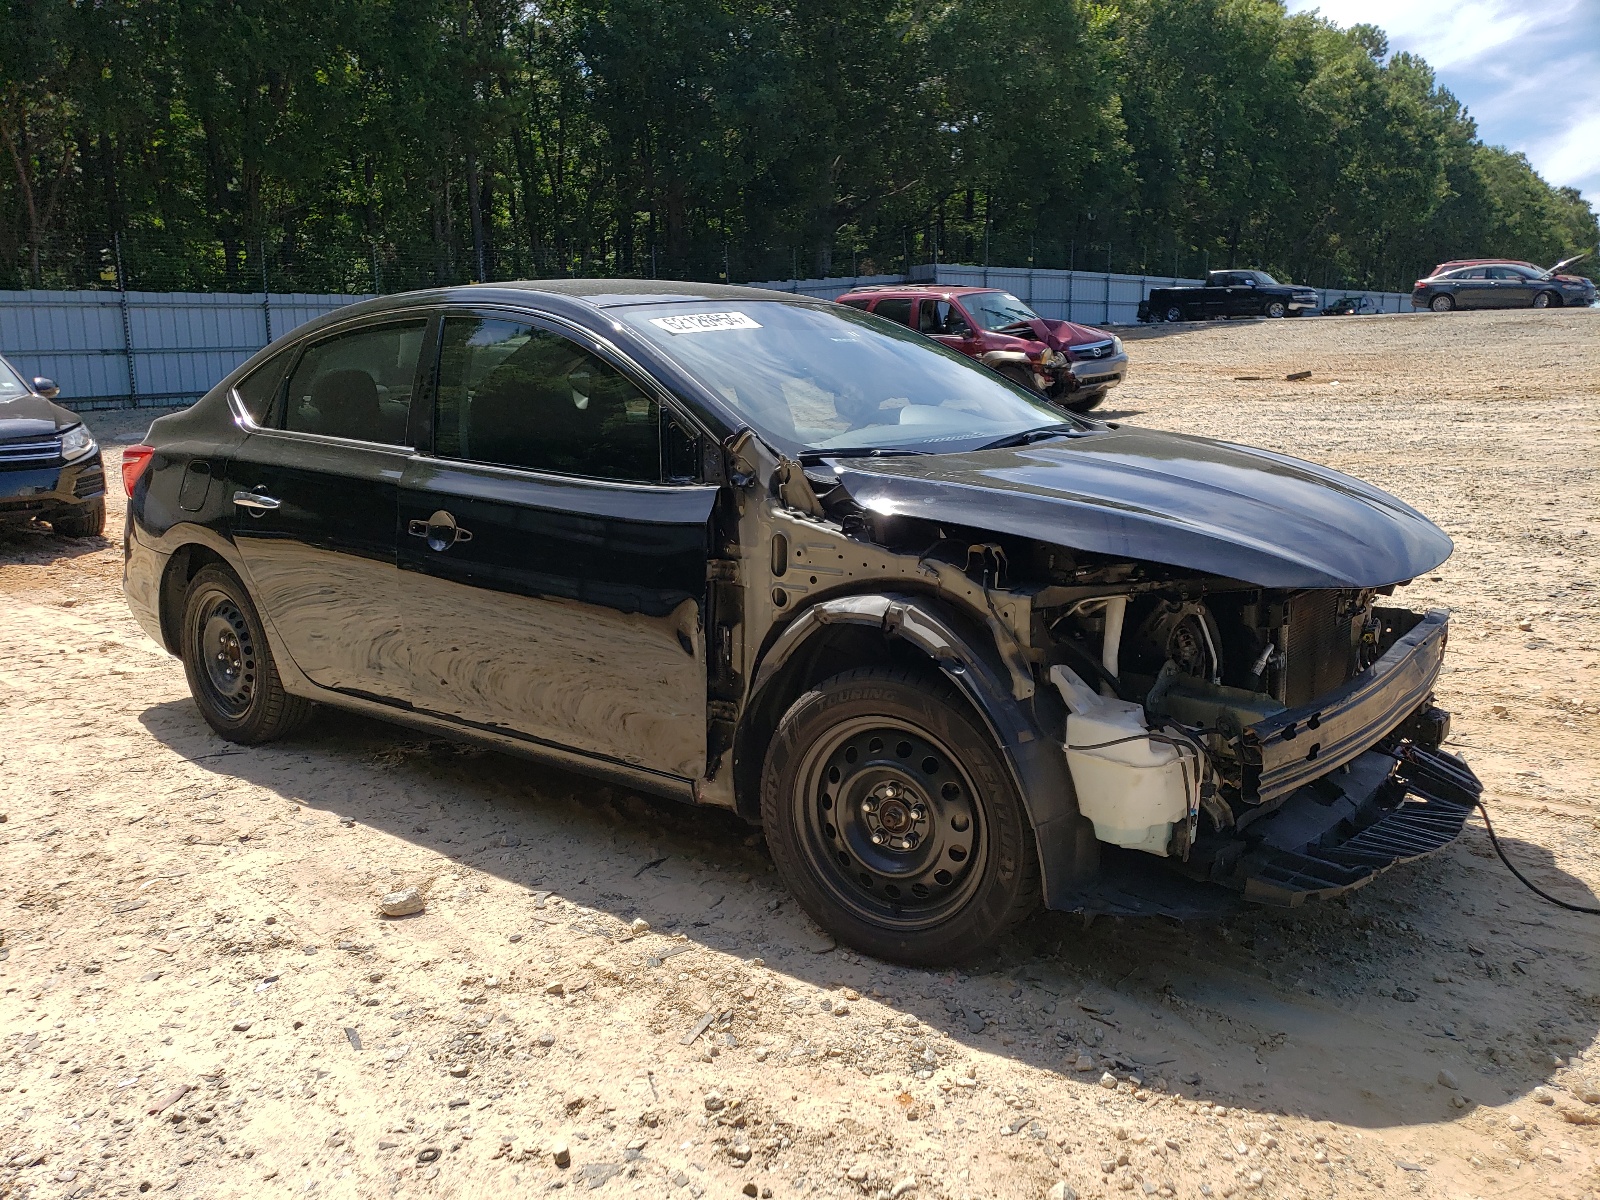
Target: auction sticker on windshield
{"points": [[704, 322]]}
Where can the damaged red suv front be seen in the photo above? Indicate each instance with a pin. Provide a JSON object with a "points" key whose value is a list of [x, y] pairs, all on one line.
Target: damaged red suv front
{"points": [[1070, 365]]}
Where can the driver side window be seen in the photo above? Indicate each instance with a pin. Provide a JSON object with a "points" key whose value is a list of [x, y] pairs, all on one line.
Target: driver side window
{"points": [[942, 318], [514, 395]]}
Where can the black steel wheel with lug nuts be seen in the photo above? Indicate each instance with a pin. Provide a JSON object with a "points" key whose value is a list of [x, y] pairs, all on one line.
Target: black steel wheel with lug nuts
{"points": [[893, 820], [229, 666]]}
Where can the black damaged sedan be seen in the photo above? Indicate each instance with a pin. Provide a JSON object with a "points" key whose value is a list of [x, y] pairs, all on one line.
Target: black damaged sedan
{"points": [[957, 655]]}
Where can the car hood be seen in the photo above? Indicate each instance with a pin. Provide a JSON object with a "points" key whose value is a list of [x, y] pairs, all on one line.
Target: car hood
{"points": [[1187, 502], [32, 416], [1057, 335]]}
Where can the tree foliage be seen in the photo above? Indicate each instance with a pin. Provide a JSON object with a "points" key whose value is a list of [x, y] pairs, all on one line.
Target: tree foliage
{"points": [[394, 143]]}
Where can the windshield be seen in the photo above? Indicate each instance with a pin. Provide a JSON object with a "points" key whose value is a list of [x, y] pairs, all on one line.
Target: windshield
{"points": [[996, 310], [832, 378], [11, 385]]}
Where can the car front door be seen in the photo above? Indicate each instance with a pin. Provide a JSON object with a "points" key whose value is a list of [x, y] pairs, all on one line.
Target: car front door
{"points": [[314, 493], [553, 577], [944, 322], [1510, 288]]}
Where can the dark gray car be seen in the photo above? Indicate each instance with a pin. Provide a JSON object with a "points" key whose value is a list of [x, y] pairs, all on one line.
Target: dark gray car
{"points": [[50, 467], [1502, 285]]}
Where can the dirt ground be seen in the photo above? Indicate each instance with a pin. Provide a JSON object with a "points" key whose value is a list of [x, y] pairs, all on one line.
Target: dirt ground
{"points": [[621, 985]]}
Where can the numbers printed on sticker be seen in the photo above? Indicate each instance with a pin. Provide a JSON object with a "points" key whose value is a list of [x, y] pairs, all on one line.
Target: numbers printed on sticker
{"points": [[704, 322]]}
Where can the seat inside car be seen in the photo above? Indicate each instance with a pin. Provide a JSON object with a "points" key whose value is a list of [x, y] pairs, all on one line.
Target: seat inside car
{"points": [[348, 406]]}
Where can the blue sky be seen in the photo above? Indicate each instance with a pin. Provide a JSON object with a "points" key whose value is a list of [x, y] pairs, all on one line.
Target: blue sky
{"points": [[1527, 70]]}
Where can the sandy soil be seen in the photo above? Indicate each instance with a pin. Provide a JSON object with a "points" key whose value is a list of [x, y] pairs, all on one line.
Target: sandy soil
{"points": [[191, 924]]}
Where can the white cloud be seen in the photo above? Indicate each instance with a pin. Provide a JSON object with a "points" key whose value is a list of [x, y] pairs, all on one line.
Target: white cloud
{"points": [[1524, 70]]}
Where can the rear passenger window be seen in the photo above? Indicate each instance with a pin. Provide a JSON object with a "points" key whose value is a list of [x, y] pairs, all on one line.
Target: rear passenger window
{"points": [[357, 385], [257, 390], [861, 304], [515, 395], [894, 310]]}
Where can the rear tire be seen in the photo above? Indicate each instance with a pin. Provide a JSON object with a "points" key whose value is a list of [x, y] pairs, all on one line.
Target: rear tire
{"points": [[229, 665], [86, 522], [894, 821], [1441, 303], [1545, 300]]}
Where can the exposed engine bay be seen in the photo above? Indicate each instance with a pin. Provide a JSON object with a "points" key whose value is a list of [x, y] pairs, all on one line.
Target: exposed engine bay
{"points": [[1279, 740]]}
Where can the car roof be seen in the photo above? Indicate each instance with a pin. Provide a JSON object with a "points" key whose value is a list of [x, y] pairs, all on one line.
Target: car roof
{"points": [[592, 293], [1481, 262], [917, 289]]}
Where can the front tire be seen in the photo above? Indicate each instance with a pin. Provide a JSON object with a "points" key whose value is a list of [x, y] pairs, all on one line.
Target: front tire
{"points": [[1173, 313], [1544, 300], [1441, 304], [1083, 403], [229, 665], [86, 522], [893, 820], [1277, 308]]}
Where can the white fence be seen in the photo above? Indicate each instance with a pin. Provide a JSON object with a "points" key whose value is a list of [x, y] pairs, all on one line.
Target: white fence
{"points": [[123, 349]]}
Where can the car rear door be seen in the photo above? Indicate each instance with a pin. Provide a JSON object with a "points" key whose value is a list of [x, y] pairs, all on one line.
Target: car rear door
{"points": [[1220, 296], [553, 580], [313, 496], [1472, 288]]}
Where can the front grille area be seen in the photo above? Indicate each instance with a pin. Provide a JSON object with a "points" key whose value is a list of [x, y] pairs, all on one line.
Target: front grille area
{"points": [[1092, 350], [1320, 645], [1091, 380], [29, 455]]}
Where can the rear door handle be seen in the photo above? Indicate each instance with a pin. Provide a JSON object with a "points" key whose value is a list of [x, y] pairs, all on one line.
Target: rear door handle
{"points": [[256, 502], [440, 529]]}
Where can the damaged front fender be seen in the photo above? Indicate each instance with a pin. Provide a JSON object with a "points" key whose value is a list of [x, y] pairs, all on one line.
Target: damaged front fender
{"points": [[1068, 851]]}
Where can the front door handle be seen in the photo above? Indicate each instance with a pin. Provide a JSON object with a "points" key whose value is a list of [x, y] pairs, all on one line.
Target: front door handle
{"points": [[256, 503], [440, 529]]}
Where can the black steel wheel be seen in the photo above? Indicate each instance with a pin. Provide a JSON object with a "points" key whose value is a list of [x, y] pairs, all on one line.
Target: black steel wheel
{"points": [[893, 820], [229, 665]]}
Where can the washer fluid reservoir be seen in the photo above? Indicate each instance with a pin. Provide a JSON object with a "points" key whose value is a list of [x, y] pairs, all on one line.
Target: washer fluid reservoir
{"points": [[1134, 789]]}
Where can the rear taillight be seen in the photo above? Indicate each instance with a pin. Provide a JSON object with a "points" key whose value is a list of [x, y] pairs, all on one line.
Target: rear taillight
{"points": [[134, 461]]}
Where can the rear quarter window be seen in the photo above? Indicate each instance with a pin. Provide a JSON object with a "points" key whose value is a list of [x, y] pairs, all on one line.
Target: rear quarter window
{"points": [[861, 304], [258, 390]]}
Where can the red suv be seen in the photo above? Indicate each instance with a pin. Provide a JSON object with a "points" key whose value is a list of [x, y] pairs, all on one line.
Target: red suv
{"points": [[1071, 365]]}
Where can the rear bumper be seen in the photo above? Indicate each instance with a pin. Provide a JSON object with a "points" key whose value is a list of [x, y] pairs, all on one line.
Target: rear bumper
{"points": [[1290, 749], [143, 568]]}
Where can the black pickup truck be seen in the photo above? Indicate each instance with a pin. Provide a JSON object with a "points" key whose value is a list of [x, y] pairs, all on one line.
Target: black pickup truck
{"points": [[1228, 294]]}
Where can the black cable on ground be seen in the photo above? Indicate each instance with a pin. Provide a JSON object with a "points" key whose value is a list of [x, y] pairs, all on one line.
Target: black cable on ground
{"points": [[1526, 882]]}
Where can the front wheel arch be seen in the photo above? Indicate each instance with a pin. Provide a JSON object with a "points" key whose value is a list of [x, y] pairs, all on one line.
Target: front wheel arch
{"points": [[892, 629]]}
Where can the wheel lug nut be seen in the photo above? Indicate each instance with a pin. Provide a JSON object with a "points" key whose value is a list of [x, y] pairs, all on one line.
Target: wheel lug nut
{"points": [[877, 839]]}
